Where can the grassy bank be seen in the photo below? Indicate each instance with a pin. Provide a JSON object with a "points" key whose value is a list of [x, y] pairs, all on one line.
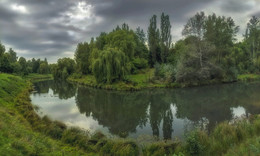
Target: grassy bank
{"points": [[17, 136], [248, 77], [23, 132], [134, 82], [142, 80], [38, 77], [145, 79]]}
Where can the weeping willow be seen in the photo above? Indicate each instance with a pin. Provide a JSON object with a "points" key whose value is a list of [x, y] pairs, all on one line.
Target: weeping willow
{"points": [[110, 65]]}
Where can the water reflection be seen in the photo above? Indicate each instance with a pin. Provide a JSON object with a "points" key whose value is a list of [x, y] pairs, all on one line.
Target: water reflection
{"points": [[165, 113]]}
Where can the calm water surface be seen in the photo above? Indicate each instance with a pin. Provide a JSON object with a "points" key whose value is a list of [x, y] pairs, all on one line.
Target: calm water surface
{"points": [[165, 113]]}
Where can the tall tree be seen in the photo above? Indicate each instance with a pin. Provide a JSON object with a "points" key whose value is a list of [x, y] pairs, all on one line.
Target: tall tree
{"points": [[220, 31], [125, 27], [165, 37], [82, 55], [12, 55], [101, 41], [140, 34], [2, 49], [153, 41], [35, 65], [196, 27], [189, 67], [63, 68], [110, 65], [124, 40], [252, 37], [23, 64], [141, 48]]}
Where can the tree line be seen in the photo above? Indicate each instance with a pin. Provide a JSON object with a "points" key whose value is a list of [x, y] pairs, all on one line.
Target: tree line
{"points": [[207, 51], [10, 63]]}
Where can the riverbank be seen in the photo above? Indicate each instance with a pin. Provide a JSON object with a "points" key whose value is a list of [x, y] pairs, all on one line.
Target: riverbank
{"points": [[17, 135], [23, 132], [248, 77], [38, 77], [66, 140], [138, 81], [145, 79]]}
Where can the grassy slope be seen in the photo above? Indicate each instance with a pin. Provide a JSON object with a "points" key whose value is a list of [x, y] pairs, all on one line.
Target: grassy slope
{"points": [[16, 134]]}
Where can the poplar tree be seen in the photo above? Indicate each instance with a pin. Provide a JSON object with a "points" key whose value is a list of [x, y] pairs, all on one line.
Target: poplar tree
{"points": [[253, 37], [166, 37], [153, 41]]}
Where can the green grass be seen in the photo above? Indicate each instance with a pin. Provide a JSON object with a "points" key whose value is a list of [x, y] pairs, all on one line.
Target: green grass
{"points": [[17, 137], [248, 77], [38, 77], [141, 80], [145, 79]]}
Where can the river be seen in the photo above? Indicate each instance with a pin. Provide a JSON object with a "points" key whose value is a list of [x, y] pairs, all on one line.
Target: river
{"points": [[164, 113]]}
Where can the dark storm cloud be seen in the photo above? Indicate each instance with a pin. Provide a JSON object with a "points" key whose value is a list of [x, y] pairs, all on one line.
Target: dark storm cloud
{"points": [[52, 28], [138, 12]]}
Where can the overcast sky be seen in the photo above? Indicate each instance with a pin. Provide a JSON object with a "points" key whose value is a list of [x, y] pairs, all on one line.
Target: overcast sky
{"points": [[52, 28]]}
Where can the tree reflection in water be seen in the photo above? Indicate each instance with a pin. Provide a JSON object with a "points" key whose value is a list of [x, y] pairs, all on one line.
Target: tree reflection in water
{"points": [[124, 113]]}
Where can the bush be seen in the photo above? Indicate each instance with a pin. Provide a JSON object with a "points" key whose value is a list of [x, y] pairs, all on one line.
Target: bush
{"points": [[140, 63], [165, 72], [197, 143], [76, 75]]}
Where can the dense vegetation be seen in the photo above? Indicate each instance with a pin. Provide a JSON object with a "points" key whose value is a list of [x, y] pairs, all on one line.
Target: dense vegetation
{"points": [[33, 135], [209, 52], [9, 63]]}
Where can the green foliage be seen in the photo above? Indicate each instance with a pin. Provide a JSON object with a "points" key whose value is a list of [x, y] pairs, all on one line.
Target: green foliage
{"points": [[197, 143], [165, 72], [166, 37], [140, 63], [63, 68], [82, 56], [16, 134], [9, 63], [22, 62], [44, 68], [195, 63], [120, 148], [122, 40], [252, 38], [153, 41], [162, 148], [111, 64], [75, 136], [35, 65], [195, 26]]}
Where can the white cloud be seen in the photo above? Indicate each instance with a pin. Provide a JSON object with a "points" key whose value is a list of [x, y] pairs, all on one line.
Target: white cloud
{"points": [[19, 8], [81, 16]]}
